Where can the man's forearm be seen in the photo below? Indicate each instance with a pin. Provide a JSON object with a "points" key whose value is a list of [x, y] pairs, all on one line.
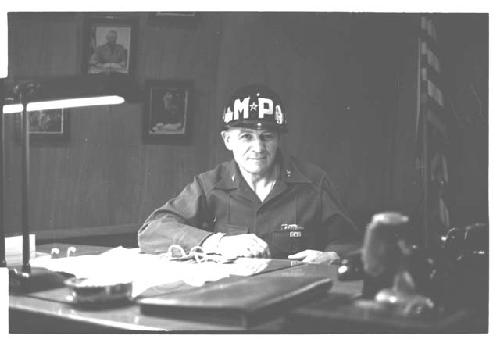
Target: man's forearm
{"points": [[158, 235]]}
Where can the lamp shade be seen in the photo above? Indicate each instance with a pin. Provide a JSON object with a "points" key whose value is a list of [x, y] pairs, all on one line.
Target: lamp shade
{"points": [[63, 90]]}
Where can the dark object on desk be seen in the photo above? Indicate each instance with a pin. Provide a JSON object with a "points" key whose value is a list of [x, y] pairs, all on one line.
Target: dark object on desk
{"points": [[462, 273], [454, 277], [38, 279], [381, 256], [341, 314], [245, 302], [351, 267], [387, 255]]}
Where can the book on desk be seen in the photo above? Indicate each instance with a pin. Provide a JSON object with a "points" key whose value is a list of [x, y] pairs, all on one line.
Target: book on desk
{"points": [[243, 302]]}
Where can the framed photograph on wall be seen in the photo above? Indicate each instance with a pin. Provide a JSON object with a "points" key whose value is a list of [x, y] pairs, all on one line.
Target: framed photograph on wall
{"points": [[108, 45], [167, 110], [50, 125]]}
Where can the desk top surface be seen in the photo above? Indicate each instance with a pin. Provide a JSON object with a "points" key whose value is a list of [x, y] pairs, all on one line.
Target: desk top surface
{"points": [[129, 316]]}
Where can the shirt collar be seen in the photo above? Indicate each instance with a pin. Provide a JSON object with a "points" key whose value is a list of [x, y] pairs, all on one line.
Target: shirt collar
{"points": [[230, 177], [290, 173]]}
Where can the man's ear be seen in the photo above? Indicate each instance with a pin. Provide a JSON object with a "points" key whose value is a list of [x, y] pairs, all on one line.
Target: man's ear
{"points": [[226, 136]]}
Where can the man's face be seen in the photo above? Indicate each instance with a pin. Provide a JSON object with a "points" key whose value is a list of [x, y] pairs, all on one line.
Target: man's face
{"points": [[111, 37], [253, 150]]}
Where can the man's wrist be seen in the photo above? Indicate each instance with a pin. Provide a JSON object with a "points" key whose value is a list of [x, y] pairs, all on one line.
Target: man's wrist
{"points": [[211, 243]]}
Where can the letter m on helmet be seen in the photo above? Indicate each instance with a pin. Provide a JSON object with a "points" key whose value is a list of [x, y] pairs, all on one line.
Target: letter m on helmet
{"points": [[241, 106]]}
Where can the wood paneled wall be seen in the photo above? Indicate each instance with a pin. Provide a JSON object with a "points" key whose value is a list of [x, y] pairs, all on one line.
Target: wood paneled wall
{"points": [[338, 73], [105, 175]]}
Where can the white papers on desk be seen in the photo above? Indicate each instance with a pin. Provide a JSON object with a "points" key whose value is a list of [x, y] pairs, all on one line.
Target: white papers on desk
{"points": [[120, 265]]}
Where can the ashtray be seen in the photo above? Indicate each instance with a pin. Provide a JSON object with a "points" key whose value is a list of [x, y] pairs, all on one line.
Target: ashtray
{"points": [[87, 291]]}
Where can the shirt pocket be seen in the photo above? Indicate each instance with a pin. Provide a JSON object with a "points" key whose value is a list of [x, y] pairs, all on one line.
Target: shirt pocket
{"points": [[284, 242]]}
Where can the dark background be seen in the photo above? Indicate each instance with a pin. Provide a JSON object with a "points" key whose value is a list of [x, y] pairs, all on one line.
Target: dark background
{"points": [[348, 81]]}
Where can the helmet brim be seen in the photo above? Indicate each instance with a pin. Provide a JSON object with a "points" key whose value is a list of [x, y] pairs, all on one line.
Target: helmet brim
{"points": [[256, 125]]}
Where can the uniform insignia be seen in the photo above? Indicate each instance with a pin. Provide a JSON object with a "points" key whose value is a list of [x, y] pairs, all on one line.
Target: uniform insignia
{"points": [[253, 106]]}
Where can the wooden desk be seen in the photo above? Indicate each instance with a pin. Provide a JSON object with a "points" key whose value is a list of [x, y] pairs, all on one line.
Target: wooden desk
{"points": [[336, 314], [38, 313]]}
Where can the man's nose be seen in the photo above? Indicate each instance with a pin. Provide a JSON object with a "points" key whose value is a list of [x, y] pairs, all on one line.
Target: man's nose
{"points": [[258, 145]]}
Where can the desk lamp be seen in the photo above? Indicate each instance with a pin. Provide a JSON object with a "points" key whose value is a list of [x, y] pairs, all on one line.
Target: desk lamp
{"points": [[2, 232], [33, 96], [3, 74]]}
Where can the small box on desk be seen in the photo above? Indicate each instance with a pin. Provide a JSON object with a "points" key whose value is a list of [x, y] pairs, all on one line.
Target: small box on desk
{"points": [[244, 302]]}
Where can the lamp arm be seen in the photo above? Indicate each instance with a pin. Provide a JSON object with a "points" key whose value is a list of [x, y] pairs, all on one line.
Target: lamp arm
{"points": [[26, 91], [2, 150]]}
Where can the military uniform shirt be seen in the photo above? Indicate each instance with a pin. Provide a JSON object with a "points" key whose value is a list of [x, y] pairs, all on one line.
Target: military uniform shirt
{"points": [[220, 200]]}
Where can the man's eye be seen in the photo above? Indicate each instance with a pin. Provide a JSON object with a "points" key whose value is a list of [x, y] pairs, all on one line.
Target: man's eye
{"points": [[267, 136], [246, 136]]}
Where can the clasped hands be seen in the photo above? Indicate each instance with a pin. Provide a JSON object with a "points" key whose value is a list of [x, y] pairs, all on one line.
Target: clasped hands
{"points": [[250, 245]]}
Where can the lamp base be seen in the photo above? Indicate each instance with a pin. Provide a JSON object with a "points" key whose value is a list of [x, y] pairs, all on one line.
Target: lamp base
{"points": [[39, 279]]}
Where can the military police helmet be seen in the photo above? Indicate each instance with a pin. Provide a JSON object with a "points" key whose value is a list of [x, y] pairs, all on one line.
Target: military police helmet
{"points": [[256, 107]]}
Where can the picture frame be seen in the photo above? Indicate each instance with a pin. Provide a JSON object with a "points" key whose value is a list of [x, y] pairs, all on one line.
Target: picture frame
{"points": [[108, 45], [46, 126], [167, 110]]}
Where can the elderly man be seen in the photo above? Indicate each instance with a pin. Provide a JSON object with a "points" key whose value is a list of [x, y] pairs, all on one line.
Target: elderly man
{"points": [[263, 203], [109, 57]]}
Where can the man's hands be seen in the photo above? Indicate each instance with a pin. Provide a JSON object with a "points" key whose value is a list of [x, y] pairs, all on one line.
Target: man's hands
{"points": [[315, 257], [243, 245], [251, 246]]}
